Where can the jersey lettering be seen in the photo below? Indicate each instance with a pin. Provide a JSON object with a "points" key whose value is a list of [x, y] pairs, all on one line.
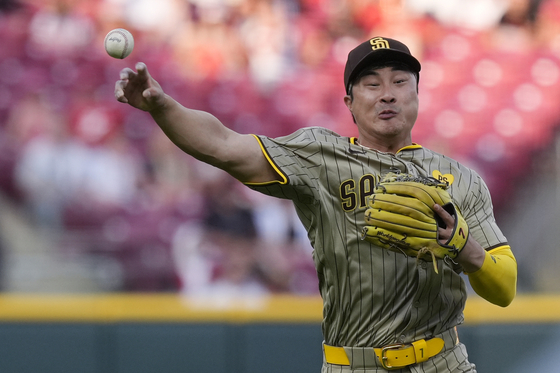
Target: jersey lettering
{"points": [[350, 196], [367, 185]]}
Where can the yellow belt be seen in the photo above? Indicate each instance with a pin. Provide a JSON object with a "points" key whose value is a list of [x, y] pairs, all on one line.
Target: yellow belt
{"points": [[392, 356]]}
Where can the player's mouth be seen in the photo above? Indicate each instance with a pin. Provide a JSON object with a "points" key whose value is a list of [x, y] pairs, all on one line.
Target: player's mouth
{"points": [[387, 114]]}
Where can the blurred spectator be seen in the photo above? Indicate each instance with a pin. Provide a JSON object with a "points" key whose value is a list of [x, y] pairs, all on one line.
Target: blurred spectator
{"points": [[219, 258], [158, 20], [397, 20], [265, 33], [283, 240], [522, 13], [57, 30], [9, 5], [170, 175], [207, 48], [547, 26], [113, 168], [515, 32], [66, 164], [14, 21], [44, 172], [471, 14], [237, 271]]}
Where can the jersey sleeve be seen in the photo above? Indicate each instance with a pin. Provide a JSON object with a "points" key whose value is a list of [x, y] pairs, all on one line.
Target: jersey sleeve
{"points": [[299, 161], [478, 212]]}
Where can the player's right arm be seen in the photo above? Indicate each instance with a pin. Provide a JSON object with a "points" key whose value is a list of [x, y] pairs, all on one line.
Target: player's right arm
{"points": [[197, 133]]}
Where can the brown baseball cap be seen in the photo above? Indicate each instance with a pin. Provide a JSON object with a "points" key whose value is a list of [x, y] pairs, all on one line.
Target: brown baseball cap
{"points": [[376, 51]]}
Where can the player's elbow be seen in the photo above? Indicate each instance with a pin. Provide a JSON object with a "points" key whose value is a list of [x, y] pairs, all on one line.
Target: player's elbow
{"points": [[507, 286], [496, 281], [504, 299], [500, 296]]}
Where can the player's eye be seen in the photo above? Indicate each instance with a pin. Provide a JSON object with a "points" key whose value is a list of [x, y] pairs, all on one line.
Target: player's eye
{"points": [[371, 83]]}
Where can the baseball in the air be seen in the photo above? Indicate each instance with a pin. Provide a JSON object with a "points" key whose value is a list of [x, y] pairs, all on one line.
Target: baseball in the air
{"points": [[119, 43]]}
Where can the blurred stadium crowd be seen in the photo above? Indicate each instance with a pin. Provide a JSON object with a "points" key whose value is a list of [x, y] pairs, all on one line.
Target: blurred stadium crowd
{"points": [[105, 184]]}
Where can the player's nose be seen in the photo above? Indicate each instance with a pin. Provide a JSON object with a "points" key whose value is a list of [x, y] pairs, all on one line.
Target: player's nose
{"points": [[387, 96]]}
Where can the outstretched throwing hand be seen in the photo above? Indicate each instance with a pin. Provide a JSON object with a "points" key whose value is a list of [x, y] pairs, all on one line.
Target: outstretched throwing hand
{"points": [[139, 89]]}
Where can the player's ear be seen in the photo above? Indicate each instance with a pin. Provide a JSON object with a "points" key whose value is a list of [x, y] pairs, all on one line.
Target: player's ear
{"points": [[348, 102]]}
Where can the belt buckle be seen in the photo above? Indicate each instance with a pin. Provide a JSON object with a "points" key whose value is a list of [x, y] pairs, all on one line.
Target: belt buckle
{"points": [[384, 357]]}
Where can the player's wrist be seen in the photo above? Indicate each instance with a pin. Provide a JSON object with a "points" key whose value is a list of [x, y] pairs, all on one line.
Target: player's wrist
{"points": [[161, 105], [472, 257]]}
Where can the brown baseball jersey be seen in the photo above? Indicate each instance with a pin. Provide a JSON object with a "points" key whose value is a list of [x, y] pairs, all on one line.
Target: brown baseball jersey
{"points": [[373, 297]]}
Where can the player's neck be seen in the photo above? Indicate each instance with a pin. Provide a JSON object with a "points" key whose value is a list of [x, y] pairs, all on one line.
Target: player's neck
{"points": [[384, 147]]}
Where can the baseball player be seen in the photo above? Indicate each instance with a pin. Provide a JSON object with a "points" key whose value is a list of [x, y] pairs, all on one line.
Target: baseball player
{"points": [[385, 308]]}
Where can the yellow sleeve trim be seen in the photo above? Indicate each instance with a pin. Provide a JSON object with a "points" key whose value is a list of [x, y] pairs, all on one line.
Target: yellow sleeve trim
{"points": [[496, 280], [274, 166]]}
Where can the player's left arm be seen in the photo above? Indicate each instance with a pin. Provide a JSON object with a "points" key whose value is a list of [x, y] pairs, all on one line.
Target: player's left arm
{"points": [[496, 279], [492, 273]]}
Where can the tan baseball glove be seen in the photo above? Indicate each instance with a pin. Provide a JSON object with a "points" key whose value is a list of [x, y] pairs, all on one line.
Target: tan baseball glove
{"points": [[400, 217]]}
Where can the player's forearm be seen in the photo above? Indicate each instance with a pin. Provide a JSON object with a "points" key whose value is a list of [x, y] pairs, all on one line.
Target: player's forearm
{"points": [[496, 280], [197, 133], [204, 137], [472, 256]]}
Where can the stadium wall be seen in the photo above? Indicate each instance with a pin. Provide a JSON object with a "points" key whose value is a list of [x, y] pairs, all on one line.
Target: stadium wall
{"points": [[122, 333]]}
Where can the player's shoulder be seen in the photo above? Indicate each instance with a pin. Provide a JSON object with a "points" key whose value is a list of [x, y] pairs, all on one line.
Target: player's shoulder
{"points": [[443, 163], [432, 156], [315, 134]]}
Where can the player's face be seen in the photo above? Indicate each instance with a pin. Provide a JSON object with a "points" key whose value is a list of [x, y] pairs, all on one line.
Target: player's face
{"points": [[385, 106]]}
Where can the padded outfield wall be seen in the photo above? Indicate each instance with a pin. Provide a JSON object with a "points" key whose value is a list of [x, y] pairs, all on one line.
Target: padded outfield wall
{"points": [[141, 333]]}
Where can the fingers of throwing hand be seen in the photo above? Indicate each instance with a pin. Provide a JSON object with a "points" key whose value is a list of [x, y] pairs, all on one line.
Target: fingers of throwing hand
{"points": [[125, 76], [120, 85], [126, 73], [142, 69]]}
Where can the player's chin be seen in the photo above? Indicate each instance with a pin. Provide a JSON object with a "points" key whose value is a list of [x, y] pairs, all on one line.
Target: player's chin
{"points": [[393, 126]]}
